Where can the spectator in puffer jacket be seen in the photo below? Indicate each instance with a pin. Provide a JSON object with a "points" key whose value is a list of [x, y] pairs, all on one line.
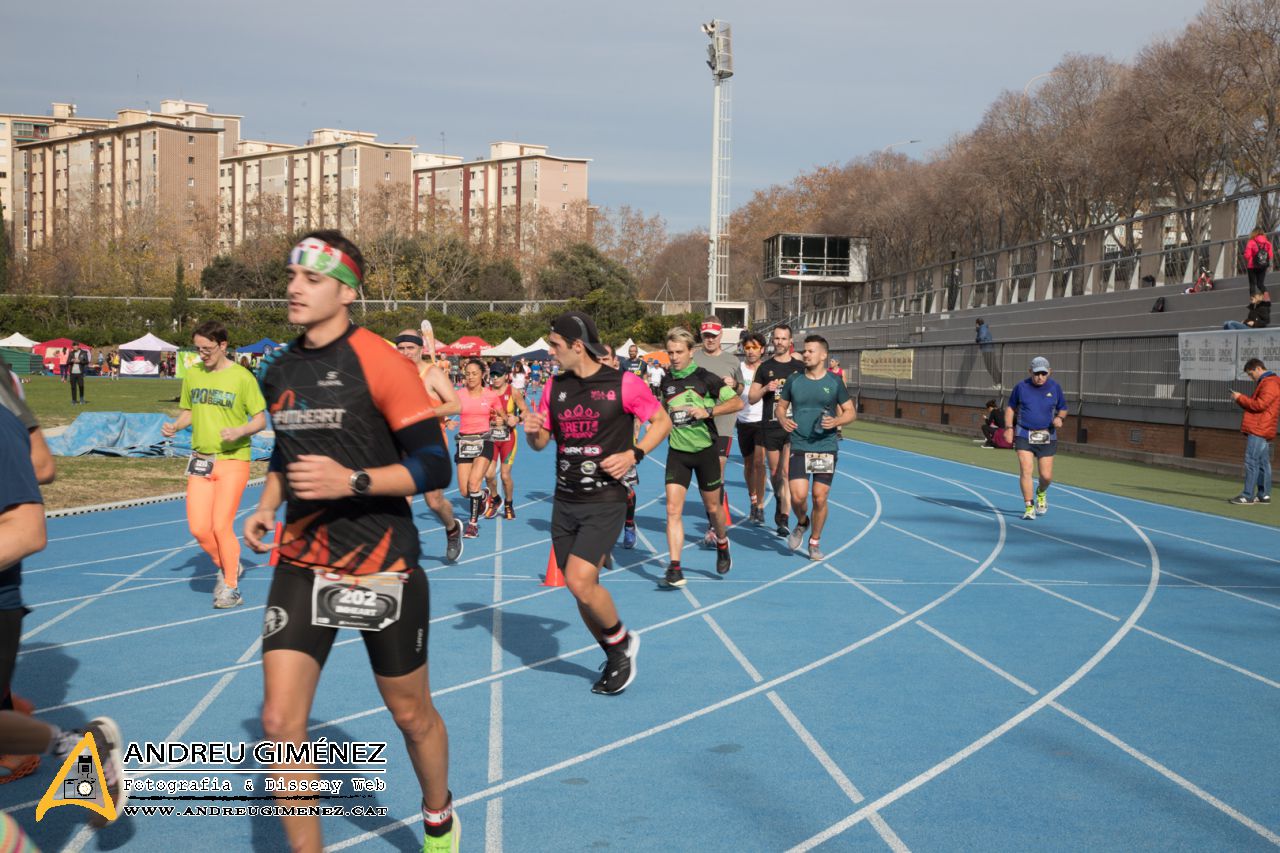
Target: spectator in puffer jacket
{"points": [[1259, 316], [1261, 411]]}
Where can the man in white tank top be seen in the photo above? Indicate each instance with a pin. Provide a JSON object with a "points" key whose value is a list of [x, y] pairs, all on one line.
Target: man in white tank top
{"points": [[750, 441]]}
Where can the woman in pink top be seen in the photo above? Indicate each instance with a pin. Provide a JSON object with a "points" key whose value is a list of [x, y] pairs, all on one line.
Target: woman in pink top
{"points": [[474, 447], [1256, 264]]}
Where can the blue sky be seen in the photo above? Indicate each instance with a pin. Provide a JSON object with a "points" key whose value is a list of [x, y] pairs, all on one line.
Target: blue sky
{"points": [[622, 83]]}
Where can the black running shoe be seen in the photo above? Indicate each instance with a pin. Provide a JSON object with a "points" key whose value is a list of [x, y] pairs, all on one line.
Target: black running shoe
{"points": [[782, 531], [723, 562], [619, 668], [674, 577]]}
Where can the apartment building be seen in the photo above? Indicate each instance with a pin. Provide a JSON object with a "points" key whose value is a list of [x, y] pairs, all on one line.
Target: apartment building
{"points": [[20, 128], [493, 192], [154, 167], [268, 187]]}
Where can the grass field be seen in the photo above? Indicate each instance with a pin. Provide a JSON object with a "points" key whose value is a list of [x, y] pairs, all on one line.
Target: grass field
{"points": [[1187, 489], [86, 480], [90, 480]]}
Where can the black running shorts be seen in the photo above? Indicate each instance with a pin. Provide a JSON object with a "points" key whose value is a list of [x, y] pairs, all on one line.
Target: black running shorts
{"points": [[775, 438], [750, 435], [586, 530], [486, 453], [681, 467], [1039, 451], [398, 649], [724, 443], [10, 635], [795, 469]]}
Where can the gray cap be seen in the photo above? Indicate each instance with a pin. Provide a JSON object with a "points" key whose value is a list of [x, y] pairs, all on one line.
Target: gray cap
{"points": [[1039, 364]]}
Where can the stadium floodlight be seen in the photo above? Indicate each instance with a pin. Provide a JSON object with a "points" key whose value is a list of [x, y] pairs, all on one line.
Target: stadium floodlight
{"points": [[720, 61]]}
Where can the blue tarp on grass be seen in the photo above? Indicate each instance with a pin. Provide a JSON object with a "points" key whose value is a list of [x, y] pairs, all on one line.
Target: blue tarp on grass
{"points": [[132, 434]]}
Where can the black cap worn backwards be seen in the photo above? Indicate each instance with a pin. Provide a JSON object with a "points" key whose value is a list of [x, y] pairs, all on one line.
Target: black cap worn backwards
{"points": [[576, 326]]}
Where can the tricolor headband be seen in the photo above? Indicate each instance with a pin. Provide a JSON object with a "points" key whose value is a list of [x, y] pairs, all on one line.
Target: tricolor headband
{"points": [[319, 256]]}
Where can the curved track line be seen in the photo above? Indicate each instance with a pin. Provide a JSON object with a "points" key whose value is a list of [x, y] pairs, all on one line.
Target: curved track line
{"points": [[763, 687], [1008, 725]]}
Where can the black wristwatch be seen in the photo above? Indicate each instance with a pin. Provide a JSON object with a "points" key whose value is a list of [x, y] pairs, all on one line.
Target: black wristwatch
{"points": [[360, 482], [639, 454]]}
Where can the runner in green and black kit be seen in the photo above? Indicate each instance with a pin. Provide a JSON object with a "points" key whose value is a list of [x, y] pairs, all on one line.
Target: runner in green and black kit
{"points": [[694, 397], [820, 406]]}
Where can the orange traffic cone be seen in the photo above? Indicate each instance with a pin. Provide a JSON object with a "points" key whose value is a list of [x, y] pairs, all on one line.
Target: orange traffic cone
{"points": [[554, 576], [728, 518], [275, 552]]}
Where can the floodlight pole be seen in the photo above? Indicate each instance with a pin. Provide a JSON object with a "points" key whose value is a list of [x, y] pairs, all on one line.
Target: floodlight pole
{"points": [[720, 60]]}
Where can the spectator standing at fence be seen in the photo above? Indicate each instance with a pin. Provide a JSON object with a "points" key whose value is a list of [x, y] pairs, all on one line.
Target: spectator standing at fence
{"points": [[1258, 254], [1261, 411], [1259, 316], [986, 345]]}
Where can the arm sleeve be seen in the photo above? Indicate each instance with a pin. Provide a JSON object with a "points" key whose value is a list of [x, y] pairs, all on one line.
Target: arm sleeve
{"points": [[636, 397]]}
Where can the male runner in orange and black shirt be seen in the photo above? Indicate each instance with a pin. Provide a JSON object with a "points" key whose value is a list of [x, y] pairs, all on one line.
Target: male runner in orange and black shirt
{"points": [[355, 435]]}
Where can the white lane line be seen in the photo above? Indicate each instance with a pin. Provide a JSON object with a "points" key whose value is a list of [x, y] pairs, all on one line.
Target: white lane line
{"points": [[182, 520], [594, 647], [221, 615], [764, 687], [493, 809], [1177, 779], [1008, 725], [115, 590], [89, 600], [843, 782], [82, 563]]}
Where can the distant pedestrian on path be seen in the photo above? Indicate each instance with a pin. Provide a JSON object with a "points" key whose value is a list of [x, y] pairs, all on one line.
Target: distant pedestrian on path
{"points": [[1258, 255], [986, 344], [1259, 427]]}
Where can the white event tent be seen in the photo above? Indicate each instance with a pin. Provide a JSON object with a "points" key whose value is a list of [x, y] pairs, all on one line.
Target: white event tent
{"points": [[141, 357], [625, 349], [18, 341], [506, 349]]}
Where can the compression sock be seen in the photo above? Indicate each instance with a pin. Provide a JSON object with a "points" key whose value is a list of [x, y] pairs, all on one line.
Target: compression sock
{"points": [[631, 507], [438, 823], [477, 500], [614, 638]]}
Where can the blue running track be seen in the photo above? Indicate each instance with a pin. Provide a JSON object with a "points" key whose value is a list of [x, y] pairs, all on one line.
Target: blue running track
{"points": [[950, 677]]}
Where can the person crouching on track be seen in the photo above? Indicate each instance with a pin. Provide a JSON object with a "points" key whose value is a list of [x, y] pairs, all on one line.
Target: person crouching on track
{"points": [[223, 405], [1040, 408], [820, 406]]}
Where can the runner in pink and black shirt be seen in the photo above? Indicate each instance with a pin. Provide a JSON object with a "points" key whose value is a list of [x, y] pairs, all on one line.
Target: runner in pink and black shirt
{"points": [[590, 410]]}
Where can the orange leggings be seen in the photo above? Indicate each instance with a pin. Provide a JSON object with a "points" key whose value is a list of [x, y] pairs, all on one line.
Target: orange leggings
{"points": [[211, 513]]}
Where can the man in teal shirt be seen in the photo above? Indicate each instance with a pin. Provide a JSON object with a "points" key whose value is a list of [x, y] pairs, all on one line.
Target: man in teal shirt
{"points": [[819, 406], [693, 397]]}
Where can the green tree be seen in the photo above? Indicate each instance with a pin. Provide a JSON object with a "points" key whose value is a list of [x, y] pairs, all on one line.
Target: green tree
{"points": [[498, 279], [574, 272], [179, 306], [226, 277]]}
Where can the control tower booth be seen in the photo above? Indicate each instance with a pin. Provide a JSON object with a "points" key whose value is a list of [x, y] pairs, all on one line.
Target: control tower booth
{"points": [[812, 270]]}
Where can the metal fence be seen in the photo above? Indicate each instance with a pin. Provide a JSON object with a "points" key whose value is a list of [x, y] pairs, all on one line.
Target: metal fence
{"points": [[465, 309], [1067, 266], [1100, 373]]}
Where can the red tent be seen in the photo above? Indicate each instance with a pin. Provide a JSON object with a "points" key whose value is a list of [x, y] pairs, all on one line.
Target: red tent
{"points": [[57, 344], [467, 345]]}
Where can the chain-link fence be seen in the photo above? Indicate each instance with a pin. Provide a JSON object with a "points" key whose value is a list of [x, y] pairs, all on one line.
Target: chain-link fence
{"points": [[1104, 373]]}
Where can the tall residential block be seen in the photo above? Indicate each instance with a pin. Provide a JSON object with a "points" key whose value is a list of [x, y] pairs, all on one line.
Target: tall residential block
{"points": [[20, 128], [494, 192], [103, 178], [330, 182]]}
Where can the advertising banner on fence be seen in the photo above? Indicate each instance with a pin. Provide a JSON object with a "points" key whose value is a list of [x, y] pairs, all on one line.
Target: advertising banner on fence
{"points": [[887, 363], [1221, 355]]}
